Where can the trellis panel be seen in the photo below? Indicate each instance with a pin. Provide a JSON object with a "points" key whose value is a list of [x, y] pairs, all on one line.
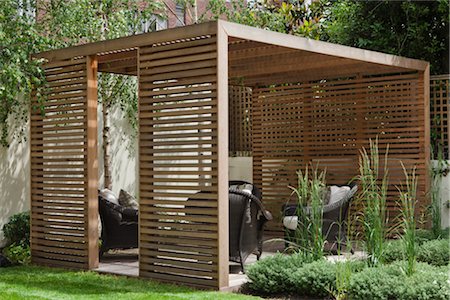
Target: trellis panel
{"points": [[178, 154], [440, 111], [327, 122], [240, 120], [60, 177]]}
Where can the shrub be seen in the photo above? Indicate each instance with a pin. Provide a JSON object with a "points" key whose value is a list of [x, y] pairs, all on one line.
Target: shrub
{"points": [[393, 251], [18, 254], [315, 279], [435, 252], [390, 282], [424, 235], [17, 230], [273, 275], [295, 274]]}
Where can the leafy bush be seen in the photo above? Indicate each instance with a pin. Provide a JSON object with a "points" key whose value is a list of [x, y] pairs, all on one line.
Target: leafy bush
{"points": [[424, 235], [18, 254], [273, 274], [315, 279], [390, 282], [295, 274], [17, 230], [393, 251], [435, 252]]}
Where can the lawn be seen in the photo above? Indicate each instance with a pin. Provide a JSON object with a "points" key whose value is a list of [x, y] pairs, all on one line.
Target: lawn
{"points": [[44, 283]]}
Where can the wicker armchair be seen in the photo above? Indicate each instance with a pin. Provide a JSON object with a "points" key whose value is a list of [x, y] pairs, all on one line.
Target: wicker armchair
{"points": [[334, 227], [119, 226], [246, 224]]}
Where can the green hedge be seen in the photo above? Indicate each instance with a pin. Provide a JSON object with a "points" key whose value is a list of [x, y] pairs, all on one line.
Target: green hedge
{"points": [[273, 274], [433, 252], [296, 275], [390, 282]]}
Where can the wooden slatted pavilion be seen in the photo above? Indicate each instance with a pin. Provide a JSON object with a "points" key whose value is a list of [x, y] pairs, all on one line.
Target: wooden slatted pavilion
{"points": [[311, 101]]}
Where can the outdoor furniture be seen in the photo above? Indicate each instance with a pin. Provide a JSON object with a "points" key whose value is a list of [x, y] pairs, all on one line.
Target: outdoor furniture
{"points": [[246, 223], [119, 226], [334, 223]]}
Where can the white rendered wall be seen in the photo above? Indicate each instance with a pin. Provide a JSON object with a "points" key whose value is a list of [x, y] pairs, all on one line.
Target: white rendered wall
{"points": [[240, 168], [14, 181], [445, 198], [123, 153]]}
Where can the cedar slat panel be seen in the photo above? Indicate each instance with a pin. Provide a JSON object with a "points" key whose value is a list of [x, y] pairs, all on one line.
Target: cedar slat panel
{"points": [[326, 122], [58, 163], [178, 160]]}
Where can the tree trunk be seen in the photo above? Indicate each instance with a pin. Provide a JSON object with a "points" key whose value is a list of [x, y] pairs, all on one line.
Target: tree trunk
{"points": [[106, 145]]}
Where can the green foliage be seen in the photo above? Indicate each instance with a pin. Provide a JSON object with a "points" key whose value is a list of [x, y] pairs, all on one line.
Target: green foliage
{"points": [[373, 197], [18, 73], [37, 283], [290, 16], [273, 274], [61, 24], [17, 229], [408, 199], [309, 192], [18, 254], [297, 274], [390, 282], [315, 279], [393, 251], [435, 252], [416, 29]]}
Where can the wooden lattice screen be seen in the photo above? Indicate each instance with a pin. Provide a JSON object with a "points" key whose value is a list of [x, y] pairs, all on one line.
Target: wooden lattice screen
{"points": [[240, 121], [63, 175], [440, 111], [327, 122], [179, 183]]}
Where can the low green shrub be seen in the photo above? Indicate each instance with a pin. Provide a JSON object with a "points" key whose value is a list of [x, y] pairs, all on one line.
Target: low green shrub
{"points": [[315, 279], [273, 274], [435, 252], [390, 282], [17, 230], [295, 274], [424, 235], [18, 254], [393, 251]]}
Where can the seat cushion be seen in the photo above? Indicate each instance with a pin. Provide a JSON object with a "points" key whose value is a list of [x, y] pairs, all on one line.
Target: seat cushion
{"points": [[128, 201], [109, 196], [337, 193]]}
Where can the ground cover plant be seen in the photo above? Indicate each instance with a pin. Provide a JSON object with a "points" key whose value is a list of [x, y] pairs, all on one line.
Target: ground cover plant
{"points": [[43, 283]]}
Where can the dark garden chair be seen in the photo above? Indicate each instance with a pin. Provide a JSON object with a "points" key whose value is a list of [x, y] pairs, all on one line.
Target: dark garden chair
{"points": [[247, 217], [334, 225], [119, 226]]}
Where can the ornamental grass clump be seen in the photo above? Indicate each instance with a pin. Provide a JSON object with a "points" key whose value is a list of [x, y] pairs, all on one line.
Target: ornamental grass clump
{"points": [[309, 191], [373, 196], [408, 199]]}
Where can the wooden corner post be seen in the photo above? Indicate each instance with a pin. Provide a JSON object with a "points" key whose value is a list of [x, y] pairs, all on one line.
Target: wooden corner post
{"points": [[222, 119], [92, 163], [427, 134]]}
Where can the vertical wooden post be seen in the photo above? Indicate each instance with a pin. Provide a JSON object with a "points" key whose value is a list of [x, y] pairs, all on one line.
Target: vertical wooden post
{"points": [[92, 162], [222, 128], [427, 136]]}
